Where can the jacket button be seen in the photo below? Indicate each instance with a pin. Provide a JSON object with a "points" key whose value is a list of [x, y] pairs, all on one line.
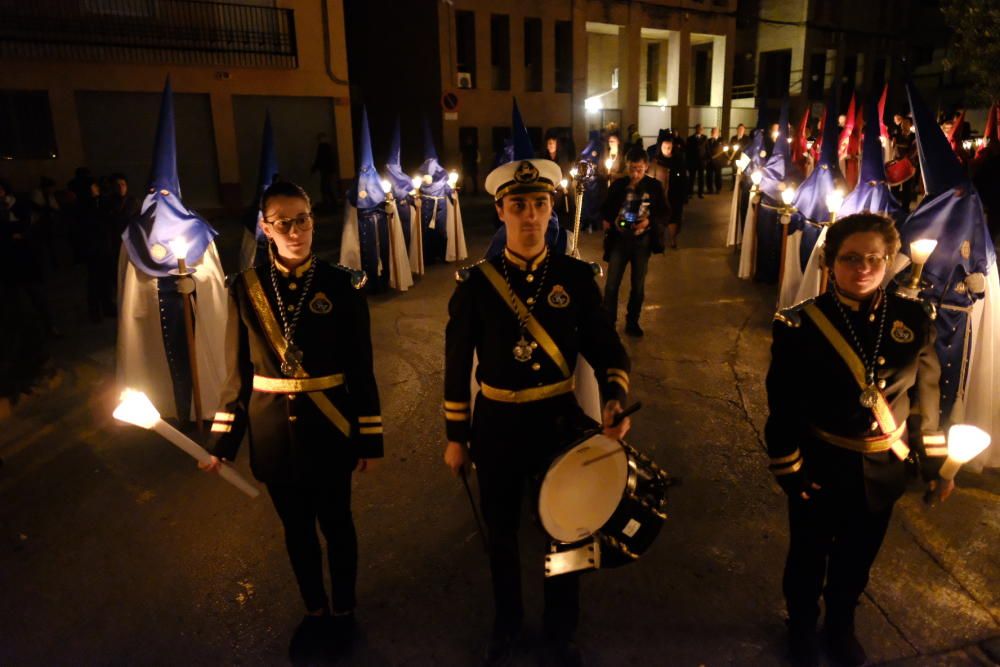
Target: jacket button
{"points": [[874, 426], [291, 397], [881, 361], [536, 366], [530, 278], [292, 418]]}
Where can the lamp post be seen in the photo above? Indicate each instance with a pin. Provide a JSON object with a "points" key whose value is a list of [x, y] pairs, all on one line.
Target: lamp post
{"points": [[786, 210], [135, 408], [179, 246]]}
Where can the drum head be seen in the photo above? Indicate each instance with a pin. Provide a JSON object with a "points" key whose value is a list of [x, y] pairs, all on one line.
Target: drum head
{"points": [[582, 489]]}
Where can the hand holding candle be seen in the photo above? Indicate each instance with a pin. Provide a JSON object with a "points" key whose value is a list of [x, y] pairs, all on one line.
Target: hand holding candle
{"points": [[136, 409]]}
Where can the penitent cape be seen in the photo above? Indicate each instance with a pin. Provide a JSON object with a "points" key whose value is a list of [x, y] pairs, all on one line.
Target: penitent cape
{"points": [[152, 345]]}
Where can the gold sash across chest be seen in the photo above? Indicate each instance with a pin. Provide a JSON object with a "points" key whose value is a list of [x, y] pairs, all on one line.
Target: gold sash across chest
{"points": [[881, 410], [272, 331]]}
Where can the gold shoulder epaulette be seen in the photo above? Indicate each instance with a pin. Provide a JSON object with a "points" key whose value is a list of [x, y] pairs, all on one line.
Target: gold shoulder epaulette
{"points": [[358, 277], [792, 316], [463, 273]]}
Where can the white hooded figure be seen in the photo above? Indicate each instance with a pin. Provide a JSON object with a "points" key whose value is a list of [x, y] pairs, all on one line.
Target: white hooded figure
{"points": [[153, 351], [440, 210]]}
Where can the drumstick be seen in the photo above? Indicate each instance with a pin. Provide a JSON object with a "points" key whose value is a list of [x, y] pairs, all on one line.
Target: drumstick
{"points": [[617, 419], [475, 511]]}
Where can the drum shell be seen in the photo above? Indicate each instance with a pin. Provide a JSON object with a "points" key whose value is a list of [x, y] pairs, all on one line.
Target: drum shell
{"points": [[899, 171], [634, 525]]}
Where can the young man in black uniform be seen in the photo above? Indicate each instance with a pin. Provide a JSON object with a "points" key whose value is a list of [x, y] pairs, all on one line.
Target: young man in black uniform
{"points": [[841, 426], [301, 382], [527, 314], [635, 215]]}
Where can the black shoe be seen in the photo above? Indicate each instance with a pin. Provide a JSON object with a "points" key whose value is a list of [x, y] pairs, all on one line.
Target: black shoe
{"points": [[500, 650], [343, 632], [803, 644], [309, 643], [633, 329], [561, 654], [843, 647]]}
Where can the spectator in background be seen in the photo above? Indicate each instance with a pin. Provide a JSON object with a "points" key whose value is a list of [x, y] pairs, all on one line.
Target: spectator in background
{"points": [[100, 245], [632, 139], [78, 189], [697, 157], [717, 159], [614, 157], [121, 206], [667, 166], [47, 219], [325, 163]]}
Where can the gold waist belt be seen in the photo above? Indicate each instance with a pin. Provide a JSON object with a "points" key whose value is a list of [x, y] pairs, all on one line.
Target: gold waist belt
{"points": [[528, 395], [296, 385], [871, 445]]}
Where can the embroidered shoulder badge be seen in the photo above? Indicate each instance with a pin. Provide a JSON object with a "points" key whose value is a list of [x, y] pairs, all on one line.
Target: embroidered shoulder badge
{"points": [[320, 304], [558, 297], [901, 333]]}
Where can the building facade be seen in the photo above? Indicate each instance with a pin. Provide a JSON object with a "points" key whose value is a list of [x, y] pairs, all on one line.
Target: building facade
{"points": [[579, 65], [81, 86]]}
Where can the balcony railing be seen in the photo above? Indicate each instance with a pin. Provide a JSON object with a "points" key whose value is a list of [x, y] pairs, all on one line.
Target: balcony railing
{"points": [[189, 32]]}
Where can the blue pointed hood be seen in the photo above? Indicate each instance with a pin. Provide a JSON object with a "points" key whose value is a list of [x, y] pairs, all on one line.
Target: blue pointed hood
{"points": [[831, 134], [163, 216], [430, 153], [777, 169], [592, 151], [267, 170], [939, 165], [523, 149], [367, 192], [163, 175], [401, 182], [434, 175], [872, 156], [505, 154]]}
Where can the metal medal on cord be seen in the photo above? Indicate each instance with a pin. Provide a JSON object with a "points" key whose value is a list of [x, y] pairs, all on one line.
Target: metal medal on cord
{"points": [[293, 355], [869, 395], [522, 348]]}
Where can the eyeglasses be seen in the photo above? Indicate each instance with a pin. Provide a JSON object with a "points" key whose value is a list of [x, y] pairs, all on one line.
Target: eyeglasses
{"points": [[302, 222], [856, 261]]}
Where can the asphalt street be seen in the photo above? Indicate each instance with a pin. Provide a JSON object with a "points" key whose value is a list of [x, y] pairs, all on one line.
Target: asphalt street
{"points": [[115, 549]]}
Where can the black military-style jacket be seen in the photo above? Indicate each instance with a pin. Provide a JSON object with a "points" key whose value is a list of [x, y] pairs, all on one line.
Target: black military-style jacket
{"points": [[817, 427], [481, 321], [291, 438]]}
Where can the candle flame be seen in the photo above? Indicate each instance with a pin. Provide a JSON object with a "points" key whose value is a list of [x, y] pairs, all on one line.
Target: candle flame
{"points": [[966, 442], [921, 249], [179, 246], [135, 408]]}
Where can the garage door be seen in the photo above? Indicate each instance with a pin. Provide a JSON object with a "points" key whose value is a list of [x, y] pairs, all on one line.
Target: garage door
{"points": [[119, 130]]}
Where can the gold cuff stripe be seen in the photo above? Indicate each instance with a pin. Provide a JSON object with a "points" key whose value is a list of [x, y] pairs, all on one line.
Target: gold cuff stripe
{"points": [[528, 395], [789, 469], [454, 405], [781, 460], [619, 372], [620, 382], [221, 428], [225, 417], [376, 419], [456, 416], [370, 430], [271, 385], [935, 439]]}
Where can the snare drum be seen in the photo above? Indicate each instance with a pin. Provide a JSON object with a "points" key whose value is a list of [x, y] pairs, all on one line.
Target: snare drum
{"points": [[603, 502]]}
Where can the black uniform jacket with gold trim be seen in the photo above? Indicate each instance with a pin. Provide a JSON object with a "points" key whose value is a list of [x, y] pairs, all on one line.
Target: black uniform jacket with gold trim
{"points": [[290, 437], [569, 309], [813, 395]]}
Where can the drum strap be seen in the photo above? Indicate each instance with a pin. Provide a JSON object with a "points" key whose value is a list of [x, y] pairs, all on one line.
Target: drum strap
{"points": [[881, 410], [534, 328], [280, 346]]}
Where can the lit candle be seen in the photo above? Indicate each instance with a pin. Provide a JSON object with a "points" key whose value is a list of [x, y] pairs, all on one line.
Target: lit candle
{"points": [[920, 250], [415, 182], [386, 186], [756, 176], [179, 246], [788, 196], [834, 200], [965, 442], [563, 183], [572, 172], [135, 408], [608, 164], [452, 178]]}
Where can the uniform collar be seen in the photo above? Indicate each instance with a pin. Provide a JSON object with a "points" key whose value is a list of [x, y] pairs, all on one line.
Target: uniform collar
{"points": [[524, 263], [300, 270], [869, 305]]}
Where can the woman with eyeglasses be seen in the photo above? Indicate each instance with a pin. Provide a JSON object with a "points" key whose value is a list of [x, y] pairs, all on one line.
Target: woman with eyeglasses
{"points": [[853, 395], [302, 386]]}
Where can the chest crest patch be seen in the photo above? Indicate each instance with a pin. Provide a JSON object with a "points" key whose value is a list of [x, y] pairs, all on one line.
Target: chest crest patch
{"points": [[558, 297], [901, 333], [320, 304]]}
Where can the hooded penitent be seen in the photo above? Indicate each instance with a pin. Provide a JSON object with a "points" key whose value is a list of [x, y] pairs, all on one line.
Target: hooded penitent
{"points": [[757, 154], [253, 249], [372, 239], [402, 192], [960, 279], [810, 218], [595, 188], [440, 211], [153, 352], [555, 236], [872, 192]]}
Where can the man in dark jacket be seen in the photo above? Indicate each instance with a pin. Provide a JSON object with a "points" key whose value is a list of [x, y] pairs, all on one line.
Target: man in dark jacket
{"points": [[634, 216], [697, 156]]}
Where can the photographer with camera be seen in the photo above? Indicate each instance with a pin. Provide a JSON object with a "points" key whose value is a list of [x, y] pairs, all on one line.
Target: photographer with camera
{"points": [[635, 215]]}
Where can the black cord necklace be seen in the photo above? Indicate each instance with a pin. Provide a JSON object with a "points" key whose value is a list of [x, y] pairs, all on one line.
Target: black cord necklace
{"points": [[293, 354], [522, 348], [869, 395]]}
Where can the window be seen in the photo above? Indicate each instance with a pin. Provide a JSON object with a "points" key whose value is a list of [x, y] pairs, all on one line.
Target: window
{"points": [[533, 55], [653, 72], [817, 75], [500, 51], [465, 31], [701, 79], [500, 134], [775, 74], [564, 56], [26, 130]]}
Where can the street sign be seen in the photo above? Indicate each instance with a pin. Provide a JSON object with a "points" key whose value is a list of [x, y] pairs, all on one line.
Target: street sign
{"points": [[449, 101]]}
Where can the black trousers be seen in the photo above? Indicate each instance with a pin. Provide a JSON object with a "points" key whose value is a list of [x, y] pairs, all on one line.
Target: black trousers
{"points": [[627, 251], [696, 172], [512, 445], [835, 538], [299, 506], [714, 176]]}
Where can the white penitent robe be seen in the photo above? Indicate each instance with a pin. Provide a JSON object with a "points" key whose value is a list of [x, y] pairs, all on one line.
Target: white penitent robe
{"points": [[416, 249], [734, 234], [748, 252], [811, 282], [142, 357], [455, 250], [400, 276], [791, 275]]}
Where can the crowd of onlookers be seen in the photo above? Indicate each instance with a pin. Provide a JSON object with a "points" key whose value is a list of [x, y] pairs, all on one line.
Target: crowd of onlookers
{"points": [[43, 231]]}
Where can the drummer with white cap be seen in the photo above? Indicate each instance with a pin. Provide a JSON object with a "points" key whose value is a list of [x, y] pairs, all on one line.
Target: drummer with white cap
{"points": [[526, 314]]}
